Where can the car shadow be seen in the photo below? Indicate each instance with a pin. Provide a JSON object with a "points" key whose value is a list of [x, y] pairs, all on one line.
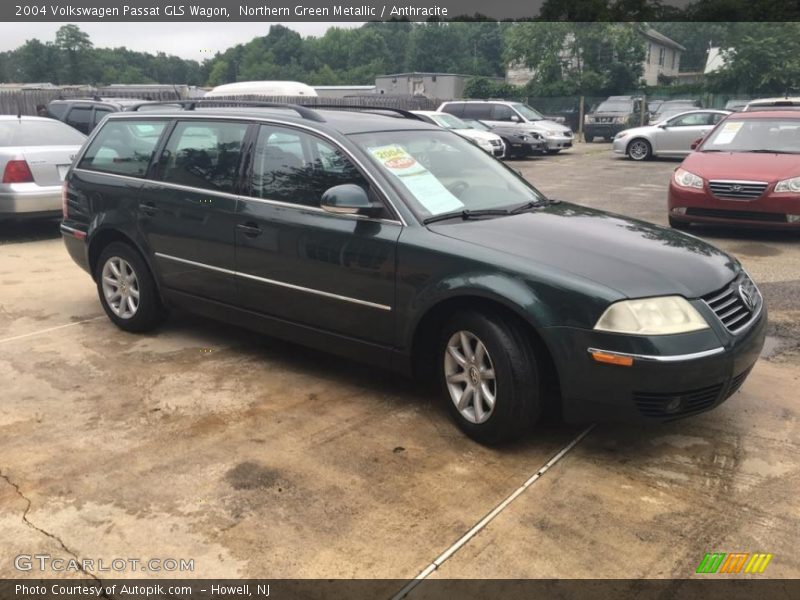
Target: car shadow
{"points": [[390, 387], [15, 231]]}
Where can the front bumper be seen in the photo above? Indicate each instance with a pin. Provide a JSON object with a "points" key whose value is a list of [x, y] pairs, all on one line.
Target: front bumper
{"points": [[670, 378], [620, 145], [559, 142], [606, 130], [29, 199], [770, 211], [524, 148]]}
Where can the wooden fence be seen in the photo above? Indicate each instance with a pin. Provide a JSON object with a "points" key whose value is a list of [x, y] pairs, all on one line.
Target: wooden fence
{"points": [[26, 102]]}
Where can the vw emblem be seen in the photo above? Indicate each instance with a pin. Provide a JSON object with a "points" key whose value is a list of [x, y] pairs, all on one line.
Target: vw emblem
{"points": [[736, 187], [747, 297]]}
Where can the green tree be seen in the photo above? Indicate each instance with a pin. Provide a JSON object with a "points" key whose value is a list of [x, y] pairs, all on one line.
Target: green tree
{"points": [[75, 44], [764, 58]]}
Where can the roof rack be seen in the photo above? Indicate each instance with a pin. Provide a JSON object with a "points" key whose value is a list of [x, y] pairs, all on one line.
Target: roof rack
{"points": [[301, 110], [407, 114]]}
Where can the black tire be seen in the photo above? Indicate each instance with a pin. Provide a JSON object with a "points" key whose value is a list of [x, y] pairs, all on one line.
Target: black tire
{"points": [[553, 150], [680, 225], [150, 312], [518, 389], [634, 152]]}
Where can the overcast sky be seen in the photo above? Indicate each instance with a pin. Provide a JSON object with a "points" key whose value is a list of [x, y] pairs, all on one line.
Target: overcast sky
{"points": [[187, 40]]}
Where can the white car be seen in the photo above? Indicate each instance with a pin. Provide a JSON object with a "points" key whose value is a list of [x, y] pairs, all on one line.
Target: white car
{"points": [[489, 142]]}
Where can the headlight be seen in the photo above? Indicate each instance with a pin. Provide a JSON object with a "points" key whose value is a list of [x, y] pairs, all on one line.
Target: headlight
{"points": [[587, 119], [619, 119], [789, 185], [621, 135], [551, 133], [652, 316], [686, 179], [525, 137]]}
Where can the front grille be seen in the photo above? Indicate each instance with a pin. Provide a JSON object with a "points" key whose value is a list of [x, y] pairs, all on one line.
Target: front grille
{"points": [[672, 405], [737, 190], [744, 215], [735, 304], [496, 142]]}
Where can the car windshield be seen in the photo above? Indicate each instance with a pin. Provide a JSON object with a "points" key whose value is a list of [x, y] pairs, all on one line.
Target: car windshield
{"points": [[527, 112], [615, 106], [755, 135], [449, 121], [438, 172], [476, 125], [24, 132]]}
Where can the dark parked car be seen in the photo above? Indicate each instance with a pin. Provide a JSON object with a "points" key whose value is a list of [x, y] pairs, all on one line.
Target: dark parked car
{"points": [[85, 113], [519, 142], [611, 116], [398, 243]]}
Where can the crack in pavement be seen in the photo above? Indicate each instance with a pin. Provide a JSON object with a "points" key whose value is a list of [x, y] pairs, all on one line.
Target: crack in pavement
{"points": [[44, 532]]}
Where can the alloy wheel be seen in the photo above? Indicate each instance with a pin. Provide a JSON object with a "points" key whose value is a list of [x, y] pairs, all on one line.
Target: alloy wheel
{"points": [[470, 376], [120, 287], [638, 150]]}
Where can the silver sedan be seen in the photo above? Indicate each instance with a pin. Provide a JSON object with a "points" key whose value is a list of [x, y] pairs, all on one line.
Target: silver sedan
{"points": [[671, 137], [35, 154]]}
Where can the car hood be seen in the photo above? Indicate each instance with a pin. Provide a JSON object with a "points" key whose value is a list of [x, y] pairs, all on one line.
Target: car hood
{"points": [[635, 258], [477, 134], [743, 165], [644, 130], [545, 124]]}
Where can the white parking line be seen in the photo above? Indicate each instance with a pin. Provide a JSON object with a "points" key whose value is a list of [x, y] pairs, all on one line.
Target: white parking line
{"points": [[488, 518], [49, 329]]}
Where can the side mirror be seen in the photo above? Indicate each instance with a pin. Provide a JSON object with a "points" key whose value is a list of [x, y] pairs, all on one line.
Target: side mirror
{"points": [[515, 119], [347, 199], [696, 143]]}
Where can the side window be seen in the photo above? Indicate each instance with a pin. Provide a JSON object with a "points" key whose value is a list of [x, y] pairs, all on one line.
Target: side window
{"points": [[501, 112], [123, 147], [478, 111], [455, 108], [691, 120], [203, 154], [295, 167], [99, 114], [80, 117]]}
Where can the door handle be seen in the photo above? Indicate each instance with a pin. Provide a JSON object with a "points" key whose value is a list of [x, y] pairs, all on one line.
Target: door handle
{"points": [[148, 208], [250, 229]]}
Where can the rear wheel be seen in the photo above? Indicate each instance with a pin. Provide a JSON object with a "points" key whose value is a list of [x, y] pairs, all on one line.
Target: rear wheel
{"points": [[489, 377], [640, 149], [127, 289]]}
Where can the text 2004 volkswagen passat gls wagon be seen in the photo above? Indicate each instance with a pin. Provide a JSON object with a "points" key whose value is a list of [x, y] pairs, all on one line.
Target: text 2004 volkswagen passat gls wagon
{"points": [[399, 243]]}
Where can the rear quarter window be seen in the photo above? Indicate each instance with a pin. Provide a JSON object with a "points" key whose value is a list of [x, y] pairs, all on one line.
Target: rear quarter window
{"points": [[454, 108], [123, 148]]}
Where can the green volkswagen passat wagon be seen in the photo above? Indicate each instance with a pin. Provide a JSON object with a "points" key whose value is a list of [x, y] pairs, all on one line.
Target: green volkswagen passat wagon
{"points": [[395, 242]]}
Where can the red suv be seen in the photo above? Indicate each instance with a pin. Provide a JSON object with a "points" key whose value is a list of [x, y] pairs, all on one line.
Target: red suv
{"points": [[745, 171]]}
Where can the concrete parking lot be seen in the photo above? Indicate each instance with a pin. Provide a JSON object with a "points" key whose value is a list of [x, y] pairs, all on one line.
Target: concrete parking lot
{"points": [[258, 458]]}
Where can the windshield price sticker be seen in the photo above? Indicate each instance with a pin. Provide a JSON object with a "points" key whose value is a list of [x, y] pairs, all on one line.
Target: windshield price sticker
{"points": [[423, 185], [728, 132]]}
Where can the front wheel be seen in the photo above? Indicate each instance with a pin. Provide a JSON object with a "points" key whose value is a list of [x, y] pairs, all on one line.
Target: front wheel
{"points": [[640, 149], [127, 290], [489, 377]]}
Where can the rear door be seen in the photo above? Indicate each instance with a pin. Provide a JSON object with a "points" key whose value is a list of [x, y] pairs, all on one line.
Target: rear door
{"points": [[187, 209], [80, 117], [300, 263]]}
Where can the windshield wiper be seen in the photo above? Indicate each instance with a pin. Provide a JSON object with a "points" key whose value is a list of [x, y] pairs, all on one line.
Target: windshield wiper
{"points": [[468, 214], [767, 151], [531, 204]]}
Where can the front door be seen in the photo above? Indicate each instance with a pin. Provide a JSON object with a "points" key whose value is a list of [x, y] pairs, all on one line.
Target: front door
{"points": [[677, 137], [296, 261]]}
